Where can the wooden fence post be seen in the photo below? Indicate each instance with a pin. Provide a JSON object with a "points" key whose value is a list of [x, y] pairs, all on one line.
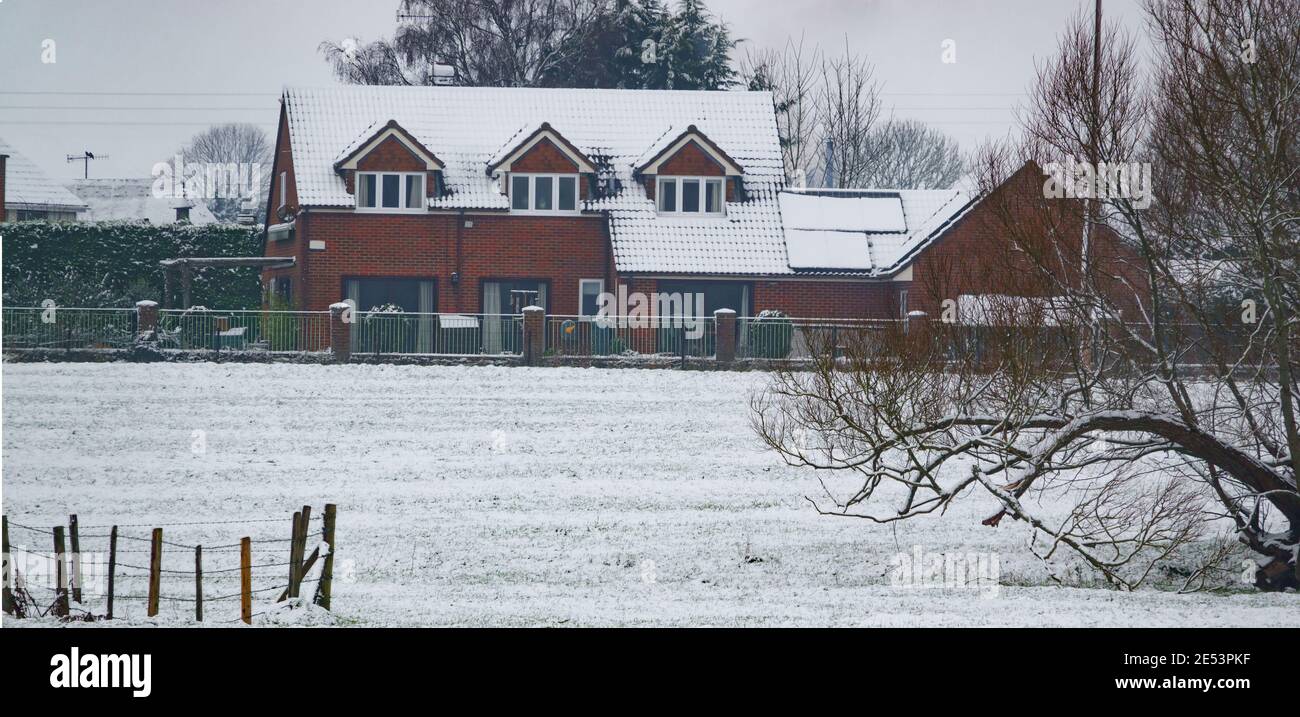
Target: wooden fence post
{"points": [[112, 567], [327, 570], [60, 575], [75, 535], [304, 520], [198, 583], [294, 562], [155, 571], [8, 571], [246, 580]]}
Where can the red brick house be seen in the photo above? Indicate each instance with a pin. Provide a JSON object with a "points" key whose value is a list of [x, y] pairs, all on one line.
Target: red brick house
{"points": [[454, 199], [483, 200]]}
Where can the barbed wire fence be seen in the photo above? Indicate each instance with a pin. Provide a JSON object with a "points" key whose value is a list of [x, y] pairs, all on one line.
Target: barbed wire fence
{"points": [[77, 582]]}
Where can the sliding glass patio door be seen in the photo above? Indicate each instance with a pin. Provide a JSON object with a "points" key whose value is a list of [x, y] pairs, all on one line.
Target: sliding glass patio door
{"points": [[393, 315]]}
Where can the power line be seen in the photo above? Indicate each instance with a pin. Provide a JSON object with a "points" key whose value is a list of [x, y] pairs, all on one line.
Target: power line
{"points": [[161, 108], [122, 124], [137, 94], [277, 94], [133, 108]]}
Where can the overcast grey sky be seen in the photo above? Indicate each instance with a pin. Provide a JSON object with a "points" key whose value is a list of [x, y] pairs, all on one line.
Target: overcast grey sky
{"points": [[121, 51]]}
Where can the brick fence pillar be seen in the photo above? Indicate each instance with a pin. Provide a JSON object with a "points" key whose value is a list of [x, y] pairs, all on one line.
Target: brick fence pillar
{"points": [[534, 334], [725, 348], [146, 317], [341, 318], [916, 321]]}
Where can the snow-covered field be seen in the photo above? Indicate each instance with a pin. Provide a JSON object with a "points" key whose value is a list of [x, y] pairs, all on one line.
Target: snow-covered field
{"points": [[508, 496]]}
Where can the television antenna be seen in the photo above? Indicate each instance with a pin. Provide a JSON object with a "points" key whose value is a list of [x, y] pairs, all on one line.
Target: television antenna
{"points": [[86, 158]]}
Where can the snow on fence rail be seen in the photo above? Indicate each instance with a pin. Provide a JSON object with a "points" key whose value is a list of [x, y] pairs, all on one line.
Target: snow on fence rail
{"points": [[409, 333], [535, 338], [67, 328], [137, 568], [278, 331], [694, 337]]}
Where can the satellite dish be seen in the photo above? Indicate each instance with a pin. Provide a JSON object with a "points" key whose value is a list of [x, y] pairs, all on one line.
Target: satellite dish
{"points": [[286, 213]]}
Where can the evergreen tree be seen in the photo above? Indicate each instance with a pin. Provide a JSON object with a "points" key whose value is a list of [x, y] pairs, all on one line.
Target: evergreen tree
{"points": [[641, 44], [697, 50], [641, 28]]}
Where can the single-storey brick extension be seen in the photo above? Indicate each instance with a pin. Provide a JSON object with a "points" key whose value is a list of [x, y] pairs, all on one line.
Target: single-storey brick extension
{"points": [[482, 200]]}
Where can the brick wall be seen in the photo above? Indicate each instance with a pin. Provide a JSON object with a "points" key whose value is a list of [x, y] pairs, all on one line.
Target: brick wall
{"points": [[805, 299], [561, 250], [282, 162], [1017, 243], [390, 156], [827, 299], [544, 157], [691, 160]]}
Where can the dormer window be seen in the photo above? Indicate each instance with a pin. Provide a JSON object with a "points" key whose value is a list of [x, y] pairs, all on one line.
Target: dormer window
{"points": [[388, 170], [692, 196], [544, 193], [390, 191], [687, 174]]}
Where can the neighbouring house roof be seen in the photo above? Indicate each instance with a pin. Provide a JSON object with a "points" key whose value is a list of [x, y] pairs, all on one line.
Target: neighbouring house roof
{"points": [[132, 199], [875, 232], [468, 127], [27, 187]]}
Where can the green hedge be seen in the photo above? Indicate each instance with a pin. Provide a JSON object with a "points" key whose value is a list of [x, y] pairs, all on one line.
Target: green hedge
{"points": [[108, 264]]}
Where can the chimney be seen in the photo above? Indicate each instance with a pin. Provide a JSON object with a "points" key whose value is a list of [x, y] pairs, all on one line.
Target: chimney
{"points": [[3, 215], [247, 212]]}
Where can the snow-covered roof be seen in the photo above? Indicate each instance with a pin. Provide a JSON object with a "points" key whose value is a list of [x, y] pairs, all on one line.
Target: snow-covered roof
{"points": [[27, 187], [132, 199], [1006, 310], [873, 231], [468, 126]]}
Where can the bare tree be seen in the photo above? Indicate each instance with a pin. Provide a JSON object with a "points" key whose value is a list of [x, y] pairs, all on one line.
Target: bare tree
{"points": [[791, 75], [506, 43], [1111, 389], [235, 155], [847, 109], [908, 154]]}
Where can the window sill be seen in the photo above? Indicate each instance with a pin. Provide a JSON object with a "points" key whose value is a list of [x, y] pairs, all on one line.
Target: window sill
{"points": [[388, 210], [545, 213], [691, 215]]}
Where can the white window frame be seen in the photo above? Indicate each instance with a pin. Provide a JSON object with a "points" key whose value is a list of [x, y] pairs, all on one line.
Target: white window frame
{"points": [[284, 189], [555, 193], [379, 207], [600, 283], [678, 184], [902, 303]]}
